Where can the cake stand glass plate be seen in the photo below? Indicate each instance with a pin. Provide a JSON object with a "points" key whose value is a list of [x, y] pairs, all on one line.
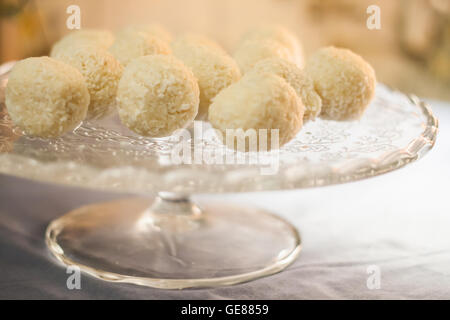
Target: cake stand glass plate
{"points": [[164, 240]]}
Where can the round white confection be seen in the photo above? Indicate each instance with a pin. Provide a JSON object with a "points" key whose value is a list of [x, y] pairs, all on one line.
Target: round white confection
{"points": [[153, 29], [194, 39], [102, 73], [157, 95], [279, 34], [251, 52], [100, 38], [131, 43], [46, 97], [298, 79], [213, 68], [258, 101], [344, 80]]}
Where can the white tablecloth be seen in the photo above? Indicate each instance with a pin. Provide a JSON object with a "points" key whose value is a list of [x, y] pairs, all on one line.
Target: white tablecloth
{"points": [[397, 224]]}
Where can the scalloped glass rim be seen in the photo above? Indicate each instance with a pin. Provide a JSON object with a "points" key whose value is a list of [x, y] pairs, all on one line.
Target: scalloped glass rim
{"points": [[306, 162]]}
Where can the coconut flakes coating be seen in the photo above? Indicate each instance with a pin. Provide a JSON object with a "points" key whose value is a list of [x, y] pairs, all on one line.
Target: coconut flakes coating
{"points": [[344, 80], [251, 52], [46, 97], [280, 34], [298, 79], [157, 95], [214, 69], [102, 73], [132, 43], [258, 101], [95, 37]]}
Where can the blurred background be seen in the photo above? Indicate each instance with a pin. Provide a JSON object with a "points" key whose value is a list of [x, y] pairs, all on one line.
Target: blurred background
{"points": [[411, 51]]}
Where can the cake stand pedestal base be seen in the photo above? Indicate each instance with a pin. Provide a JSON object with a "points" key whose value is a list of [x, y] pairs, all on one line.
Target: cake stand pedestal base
{"points": [[171, 243]]}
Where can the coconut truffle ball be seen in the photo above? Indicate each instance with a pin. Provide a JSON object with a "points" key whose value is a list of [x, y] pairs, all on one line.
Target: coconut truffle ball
{"points": [[102, 73], [258, 101], [279, 34], [46, 97], [251, 52], [298, 79], [194, 39], [100, 38], [344, 81], [214, 70], [157, 95], [153, 29], [131, 44]]}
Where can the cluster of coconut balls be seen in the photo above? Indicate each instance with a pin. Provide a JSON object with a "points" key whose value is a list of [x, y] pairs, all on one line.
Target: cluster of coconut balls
{"points": [[159, 84]]}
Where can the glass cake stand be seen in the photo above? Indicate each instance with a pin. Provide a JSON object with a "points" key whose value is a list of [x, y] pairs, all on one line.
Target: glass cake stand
{"points": [[167, 241]]}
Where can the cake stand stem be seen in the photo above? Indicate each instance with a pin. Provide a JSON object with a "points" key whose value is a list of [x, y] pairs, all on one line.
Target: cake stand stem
{"points": [[174, 203]]}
